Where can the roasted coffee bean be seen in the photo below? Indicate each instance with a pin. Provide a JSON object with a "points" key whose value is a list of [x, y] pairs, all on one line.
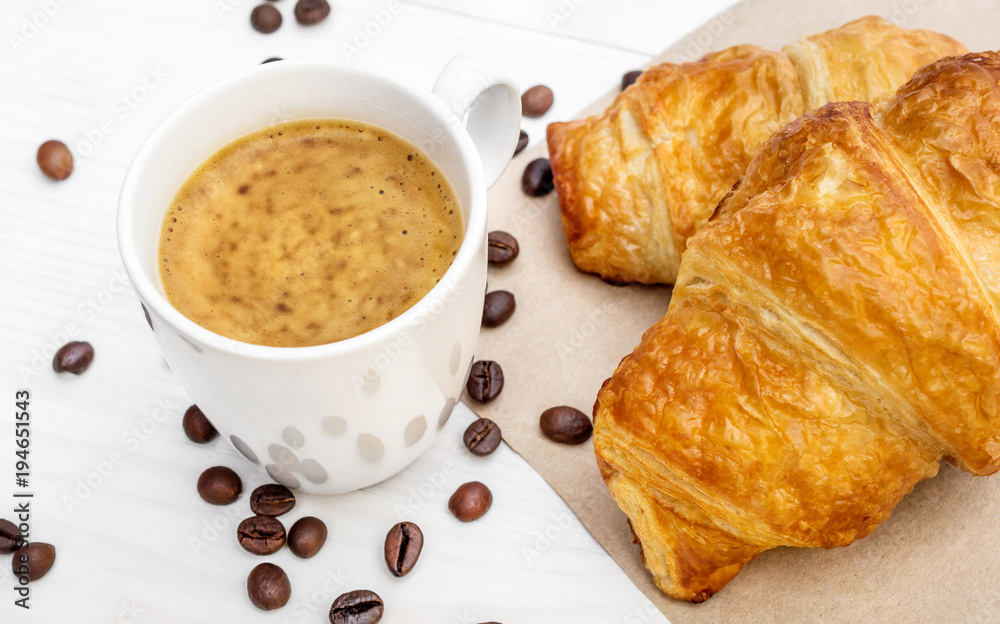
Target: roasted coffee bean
{"points": [[268, 587], [482, 437], [470, 501], [537, 178], [310, 12], [55, 160], [271, 499], [198, 428], [220, 485], [566, 425], [536, 101], [271, 60], [485, 381], [499, 307], [629, 78], [261, 535], [357, 607], [10, 536], [33, 560], [306, 537], [502, 248], [402, 548], [265, 18], [522, 142], [73, 357]]}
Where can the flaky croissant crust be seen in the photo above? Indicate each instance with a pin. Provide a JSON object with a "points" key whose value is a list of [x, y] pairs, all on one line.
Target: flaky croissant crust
{"points": [[636, 182], [832, 336]]}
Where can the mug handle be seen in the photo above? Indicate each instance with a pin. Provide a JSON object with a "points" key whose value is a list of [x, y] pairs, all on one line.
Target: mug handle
{"points": [[490, 106]]}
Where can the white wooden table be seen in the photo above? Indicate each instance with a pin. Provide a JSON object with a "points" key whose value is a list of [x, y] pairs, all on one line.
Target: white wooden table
{"points": [[112, 473]]}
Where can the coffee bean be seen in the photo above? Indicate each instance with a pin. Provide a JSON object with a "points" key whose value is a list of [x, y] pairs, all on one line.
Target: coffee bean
{"points": [[198, 428], [55, 160], [73, 357], [271, 499], [357, 607], [37, 558], [629, 78], [537, 178], [470, 501], [499, 307], [311, 12], [268, 587], [522, 142], [261, 535], [403, 544], [271, 60], [482, 437], [566, 425], [10, 536], [502, 248], [220, 485], [536, 101], [306, 537], [265, 18], [485, 381]]}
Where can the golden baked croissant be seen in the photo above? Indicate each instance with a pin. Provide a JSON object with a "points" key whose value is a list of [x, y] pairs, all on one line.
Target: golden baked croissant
{"points": [[637, 181], [833, 335]]}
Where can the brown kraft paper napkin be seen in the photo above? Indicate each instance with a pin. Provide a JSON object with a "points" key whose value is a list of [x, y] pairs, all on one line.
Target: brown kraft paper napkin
{"points": [[937, 559]]}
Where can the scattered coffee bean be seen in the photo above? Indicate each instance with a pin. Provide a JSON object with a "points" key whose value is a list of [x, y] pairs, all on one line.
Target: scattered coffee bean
{"points": [[271, 60], [536, 101], [482, 437], [502, 249], [566, 425], [470, 501], [10, 537], [268, 587], [55, 160], [499, 307], [73, 357], [402, 548], [261, 535], [265, 18], [219, 485], [485, 381], [306, 537], [198, 428], [33, 560], [537, 178], [522, 142], [357, 607], [311, 12], [271, 499], [630, 78]]}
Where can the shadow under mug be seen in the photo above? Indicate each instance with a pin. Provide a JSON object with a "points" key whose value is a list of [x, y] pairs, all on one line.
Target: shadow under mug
{"points": [[342, 416]]}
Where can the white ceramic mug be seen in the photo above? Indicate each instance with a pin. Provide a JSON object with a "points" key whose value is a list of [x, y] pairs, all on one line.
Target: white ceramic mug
{"points": [[341, 416]]}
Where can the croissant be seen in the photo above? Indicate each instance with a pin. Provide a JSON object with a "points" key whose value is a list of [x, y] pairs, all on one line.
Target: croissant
{"points": [[832, 336], [636, 182]]}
